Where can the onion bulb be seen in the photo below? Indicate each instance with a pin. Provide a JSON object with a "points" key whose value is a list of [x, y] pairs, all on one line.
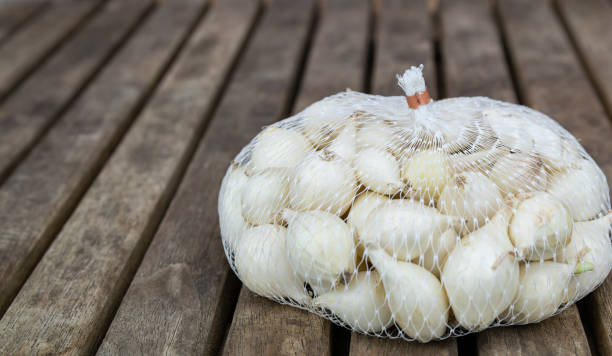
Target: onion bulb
{"points": [[435, 256], [365, 203], [519, 172], [264, 195], [322, 121], [477, 161], [344, 144], [473, 196], [583, 189], [405, 228], [416, 297], [323, 181], [360, 304], [262, 265], [231, 222], [543, 287], [378, 170], [540, 227], [481, 276], [320, 247], [590, 244], [376, 133], [278, 147], [427, 172]]}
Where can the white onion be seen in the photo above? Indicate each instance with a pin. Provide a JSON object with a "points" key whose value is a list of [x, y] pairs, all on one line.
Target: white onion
{"points": [[320, 247], [473, 196], [590, 243], [416, 297], [583, 189], [405, 228], [264, 195], [540, 227], [278, 147], [262, 266], [323, 181], [481, 276], [378, 170], [360, 304], [519, 172], [344, 145], [543, 286], [365, 203], [231, 222], [427, 173], [476, 161], [435, 256]]}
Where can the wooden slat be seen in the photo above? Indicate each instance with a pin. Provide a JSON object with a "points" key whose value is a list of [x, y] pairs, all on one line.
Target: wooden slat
{"points": [[20, 53], [176, 302], [335, 62], [403, 38], [552, 81], [590, 25], [69, 299], [261, 326], [32, 108], [401, 23], [14, 14], [40, 194]]}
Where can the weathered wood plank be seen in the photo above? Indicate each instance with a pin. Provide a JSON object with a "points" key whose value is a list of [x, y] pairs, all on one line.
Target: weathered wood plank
{"points": [[403, 39], [337, 58], [70, 297], [14, 14], [552, 81], [22, 52], [175, 302], [40, 194], [336, 61], [33, 107]]}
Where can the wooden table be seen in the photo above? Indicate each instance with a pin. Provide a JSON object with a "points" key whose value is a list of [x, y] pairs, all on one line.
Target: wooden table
{"points": [[118, 120]]}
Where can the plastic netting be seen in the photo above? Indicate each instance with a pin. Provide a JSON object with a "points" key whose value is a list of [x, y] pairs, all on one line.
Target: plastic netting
{"points": [[425, 223]]}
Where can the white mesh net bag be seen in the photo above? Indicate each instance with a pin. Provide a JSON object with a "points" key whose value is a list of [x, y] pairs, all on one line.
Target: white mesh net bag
{"points": [[408, 217]]}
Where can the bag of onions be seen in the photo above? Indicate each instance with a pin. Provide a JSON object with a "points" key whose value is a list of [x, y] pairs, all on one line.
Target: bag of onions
{"points": [[414, 218]]}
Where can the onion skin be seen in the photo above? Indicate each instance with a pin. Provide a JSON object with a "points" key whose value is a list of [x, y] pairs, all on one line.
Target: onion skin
{"points": [[540, 227], [405, 228], [262, 265], [590, 242], [360, 304], [416, 297], [320, 247], [427, 173], [278, 147], [516, 173], [264, 195], [481, 276], [323, 181], [378, 170], [583, 189], [231, 222], [542, 290], [473, 196]]}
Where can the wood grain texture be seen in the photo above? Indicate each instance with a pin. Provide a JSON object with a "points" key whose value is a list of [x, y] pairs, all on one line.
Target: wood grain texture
{"points": [[552, 80], [403, 38], [15, 14], [337, 58], [41, 193], [20, 53], [70, 297], [473, 57], [589, 25], [174, 303], [32, 108], [401, 23]]}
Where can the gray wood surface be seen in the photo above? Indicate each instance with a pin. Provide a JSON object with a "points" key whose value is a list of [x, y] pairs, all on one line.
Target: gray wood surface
{"points": [[13, 15], [176, 302], [42, 192], [19, 54], [32, 108]]}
